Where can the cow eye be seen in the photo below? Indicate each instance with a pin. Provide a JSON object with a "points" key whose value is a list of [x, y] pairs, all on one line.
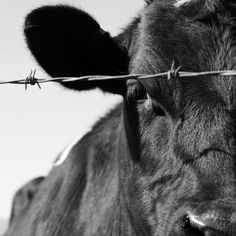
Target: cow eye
{"points": [[141, 95], [155, 107], [136, 92]]}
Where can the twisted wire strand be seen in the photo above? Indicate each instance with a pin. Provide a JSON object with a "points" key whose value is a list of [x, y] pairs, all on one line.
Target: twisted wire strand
{"points": [[32, 80]]}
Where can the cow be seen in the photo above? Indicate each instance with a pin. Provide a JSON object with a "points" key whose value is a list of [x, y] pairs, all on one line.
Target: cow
{"points": [[162, 162]]}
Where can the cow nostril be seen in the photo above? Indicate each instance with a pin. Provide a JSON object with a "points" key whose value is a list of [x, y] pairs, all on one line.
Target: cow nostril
{"points": [[195, 222], [198, 227], [191, 229]]}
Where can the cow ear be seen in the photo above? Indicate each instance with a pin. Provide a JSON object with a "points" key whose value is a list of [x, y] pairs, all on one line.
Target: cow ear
{"points": [[67, 42]]}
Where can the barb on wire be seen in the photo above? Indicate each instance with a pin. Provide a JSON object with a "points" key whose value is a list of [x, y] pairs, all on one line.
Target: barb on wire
{"points": [[31, 79], [172, 73]]}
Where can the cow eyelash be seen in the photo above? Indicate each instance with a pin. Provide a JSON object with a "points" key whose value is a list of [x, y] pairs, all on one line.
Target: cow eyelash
{"points": [[137, 93], [142, 97]]}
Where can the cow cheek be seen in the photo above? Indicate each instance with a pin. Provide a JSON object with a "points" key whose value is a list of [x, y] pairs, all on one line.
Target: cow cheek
{"points": [[142, 194]]}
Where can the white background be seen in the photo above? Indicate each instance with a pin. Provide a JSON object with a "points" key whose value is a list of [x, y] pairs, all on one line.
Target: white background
{"points": [[37, 124]]}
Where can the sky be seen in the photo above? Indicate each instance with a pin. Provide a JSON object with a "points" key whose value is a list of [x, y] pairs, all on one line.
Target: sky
{"points": [[35, 125]]}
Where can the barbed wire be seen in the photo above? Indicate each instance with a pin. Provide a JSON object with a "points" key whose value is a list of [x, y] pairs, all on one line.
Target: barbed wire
{"points": [[32, 80]]}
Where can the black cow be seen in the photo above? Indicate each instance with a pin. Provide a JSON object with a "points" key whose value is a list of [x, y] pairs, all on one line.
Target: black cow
{"points": [[162, 163]]}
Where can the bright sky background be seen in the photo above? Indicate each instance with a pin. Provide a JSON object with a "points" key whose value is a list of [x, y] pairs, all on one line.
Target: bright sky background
{"points": [[37, 124]]}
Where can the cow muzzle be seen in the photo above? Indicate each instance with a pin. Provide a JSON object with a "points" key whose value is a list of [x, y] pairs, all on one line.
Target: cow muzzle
{"points": [[213, 219]]}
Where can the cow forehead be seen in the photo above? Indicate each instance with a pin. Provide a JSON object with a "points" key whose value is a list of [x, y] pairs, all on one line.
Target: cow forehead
{"points": [[203, 95], [196, 44]]}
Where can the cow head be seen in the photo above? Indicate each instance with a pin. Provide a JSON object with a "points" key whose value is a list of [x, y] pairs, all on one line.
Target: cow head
{"points": [[179, 178]]}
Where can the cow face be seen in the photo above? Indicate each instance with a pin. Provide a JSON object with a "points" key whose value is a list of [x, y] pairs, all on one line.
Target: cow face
{"points": [[179, 177], [183, 182]]}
